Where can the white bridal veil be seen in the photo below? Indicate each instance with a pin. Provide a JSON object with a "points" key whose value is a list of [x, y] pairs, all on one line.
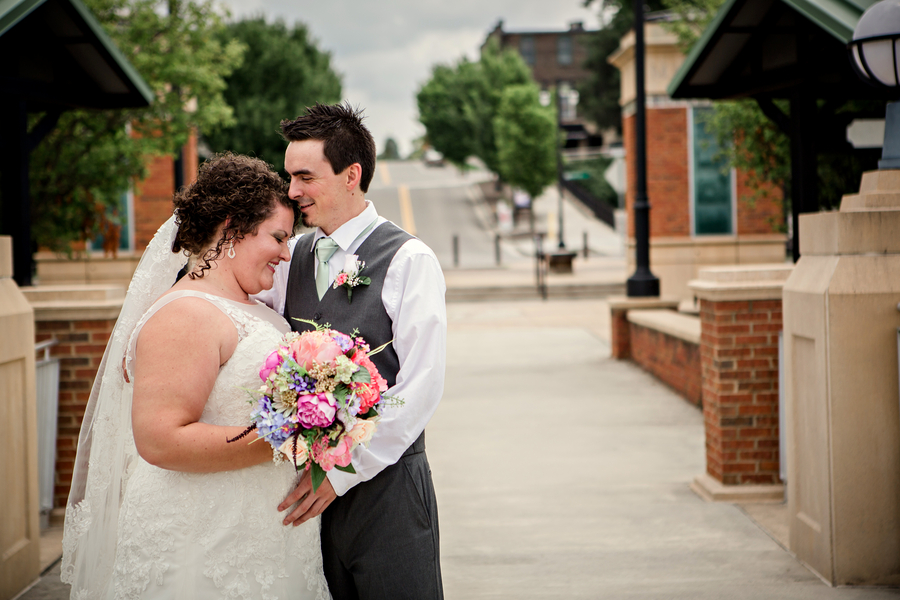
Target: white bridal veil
{"points": [[106, 451]]}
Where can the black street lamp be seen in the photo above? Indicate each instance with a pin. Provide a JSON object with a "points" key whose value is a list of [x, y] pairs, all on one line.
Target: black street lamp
{"points": [[642, 282], [873, 54]]}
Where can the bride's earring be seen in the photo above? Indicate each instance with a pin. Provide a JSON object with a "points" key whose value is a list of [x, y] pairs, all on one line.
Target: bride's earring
{"points": [[231, 249]]}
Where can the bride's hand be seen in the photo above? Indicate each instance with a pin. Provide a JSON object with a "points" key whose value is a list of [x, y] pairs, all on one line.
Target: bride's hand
{"points": [[310, 504]]}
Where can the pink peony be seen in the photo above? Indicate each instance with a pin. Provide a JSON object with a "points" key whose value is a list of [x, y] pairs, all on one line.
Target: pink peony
{"points": [[338, 455], [316, 410], [273, 361], [314, 346]]}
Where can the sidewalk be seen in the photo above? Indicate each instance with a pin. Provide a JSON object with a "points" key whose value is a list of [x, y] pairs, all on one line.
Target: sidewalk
{"points": [[562, 473]]}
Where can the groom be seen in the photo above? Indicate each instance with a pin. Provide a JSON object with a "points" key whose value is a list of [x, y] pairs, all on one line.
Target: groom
{"points": [[380, 525]]}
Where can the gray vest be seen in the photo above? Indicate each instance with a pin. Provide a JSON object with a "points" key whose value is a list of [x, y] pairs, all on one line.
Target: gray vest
{"points": [[366, 313]]}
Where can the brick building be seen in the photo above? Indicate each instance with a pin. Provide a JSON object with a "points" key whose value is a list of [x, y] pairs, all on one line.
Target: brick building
{"points": [[702, 214], [557, 60], [142, 209]]}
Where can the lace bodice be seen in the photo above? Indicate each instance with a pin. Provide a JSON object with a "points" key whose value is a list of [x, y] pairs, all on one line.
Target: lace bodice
{"points": [[216, 535]]}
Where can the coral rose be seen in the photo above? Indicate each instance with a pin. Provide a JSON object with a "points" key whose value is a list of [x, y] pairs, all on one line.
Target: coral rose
{"points": [[314, 346]]}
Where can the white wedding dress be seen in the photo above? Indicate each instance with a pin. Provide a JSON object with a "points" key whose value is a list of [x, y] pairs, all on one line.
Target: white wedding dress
{"points": [[204, 536]]}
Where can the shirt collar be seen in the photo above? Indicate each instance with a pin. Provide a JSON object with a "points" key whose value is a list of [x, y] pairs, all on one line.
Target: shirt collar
{"points": [[347, 233]]}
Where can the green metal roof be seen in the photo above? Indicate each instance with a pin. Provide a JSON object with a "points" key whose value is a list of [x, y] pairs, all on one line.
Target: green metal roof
{"points": [[738, 21], [55, 52]]}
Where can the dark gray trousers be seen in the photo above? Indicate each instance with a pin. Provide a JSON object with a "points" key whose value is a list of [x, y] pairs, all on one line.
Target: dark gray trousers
{"points": [[380, 540]]}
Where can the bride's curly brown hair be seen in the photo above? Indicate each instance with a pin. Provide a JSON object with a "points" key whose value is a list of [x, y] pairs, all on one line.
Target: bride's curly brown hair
{"points": [[231, 189]]}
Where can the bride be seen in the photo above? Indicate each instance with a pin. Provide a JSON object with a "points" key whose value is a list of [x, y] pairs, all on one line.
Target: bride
{"points": [[161, 505]]}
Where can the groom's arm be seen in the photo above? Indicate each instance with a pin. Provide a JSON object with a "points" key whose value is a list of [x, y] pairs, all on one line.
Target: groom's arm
{"points": [[413, 296]]}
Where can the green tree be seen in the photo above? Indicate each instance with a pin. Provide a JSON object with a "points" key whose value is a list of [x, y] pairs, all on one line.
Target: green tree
{"points": [[283, 72], [526, 135], [81, 169], [391, 152], [458, 104]]}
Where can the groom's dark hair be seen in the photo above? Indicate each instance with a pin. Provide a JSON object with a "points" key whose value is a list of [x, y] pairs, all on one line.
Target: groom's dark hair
{"points": [[346, 139]]}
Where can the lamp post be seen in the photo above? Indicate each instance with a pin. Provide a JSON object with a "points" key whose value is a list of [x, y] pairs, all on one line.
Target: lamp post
{"points": [[873, 54], [642, 282], [559, 164]]}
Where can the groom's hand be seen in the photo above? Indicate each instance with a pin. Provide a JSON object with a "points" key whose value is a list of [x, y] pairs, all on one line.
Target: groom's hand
{"points": [[310, 504]]}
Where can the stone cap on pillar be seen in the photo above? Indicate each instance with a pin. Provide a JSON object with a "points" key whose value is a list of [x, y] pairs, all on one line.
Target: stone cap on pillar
{"points": [[741, 282], [6, 257], [75, 302], [868, 222], [625, 303]]}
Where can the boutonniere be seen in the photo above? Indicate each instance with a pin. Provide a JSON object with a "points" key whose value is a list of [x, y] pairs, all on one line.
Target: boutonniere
{"points": [[350, 277]]}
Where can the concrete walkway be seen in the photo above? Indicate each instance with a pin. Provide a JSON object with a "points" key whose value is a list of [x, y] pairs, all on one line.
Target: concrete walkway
{"points": [[562, 473]]}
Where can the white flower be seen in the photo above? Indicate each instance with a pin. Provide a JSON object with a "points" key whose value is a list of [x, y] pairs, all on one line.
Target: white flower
{"points": [[351, 265]]}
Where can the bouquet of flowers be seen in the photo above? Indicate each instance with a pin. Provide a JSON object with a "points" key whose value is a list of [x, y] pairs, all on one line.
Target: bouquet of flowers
{"points": [[321, 397]]}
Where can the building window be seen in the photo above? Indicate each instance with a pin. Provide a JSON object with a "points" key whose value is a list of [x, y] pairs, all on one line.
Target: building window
{"points": [[526, 49], [564, 50], [712, 188]]}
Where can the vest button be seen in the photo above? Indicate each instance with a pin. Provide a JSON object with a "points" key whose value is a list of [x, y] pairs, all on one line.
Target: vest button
{"points": [[317, 316]]}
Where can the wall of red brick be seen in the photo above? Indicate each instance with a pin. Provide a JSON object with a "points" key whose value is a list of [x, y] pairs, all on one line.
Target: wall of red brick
{"points": [[153, 196], [673, 360], [739, 360], [667, 171], [620, 340], [668, 185], [80, 350], [759, 209]]}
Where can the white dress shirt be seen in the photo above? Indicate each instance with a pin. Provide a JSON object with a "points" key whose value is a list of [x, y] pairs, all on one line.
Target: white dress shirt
{"points": [[413, 297]]}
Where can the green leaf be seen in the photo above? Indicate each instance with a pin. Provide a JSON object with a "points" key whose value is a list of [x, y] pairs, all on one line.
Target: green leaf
{"points": [[317, 476], [341, 391], [347, 469], [362, 376], [365, 280]]}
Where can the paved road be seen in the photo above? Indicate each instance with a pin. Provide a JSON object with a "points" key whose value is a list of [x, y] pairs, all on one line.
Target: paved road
{"points": [[436, 204]]}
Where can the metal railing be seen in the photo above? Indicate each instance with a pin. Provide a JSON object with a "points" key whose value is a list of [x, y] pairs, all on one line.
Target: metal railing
{"points": [[47, 388]]}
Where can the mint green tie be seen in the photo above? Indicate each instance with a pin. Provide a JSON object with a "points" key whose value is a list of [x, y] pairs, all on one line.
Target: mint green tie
{"points": [[325, 249]]}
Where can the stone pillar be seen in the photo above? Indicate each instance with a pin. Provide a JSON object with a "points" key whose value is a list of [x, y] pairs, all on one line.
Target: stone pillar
{"points": [[19, 500], [740, 315], [81, 318], [841, 387]]}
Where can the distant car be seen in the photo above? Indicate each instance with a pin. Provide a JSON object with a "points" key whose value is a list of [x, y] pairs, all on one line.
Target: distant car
{"points": [[433, 158]]}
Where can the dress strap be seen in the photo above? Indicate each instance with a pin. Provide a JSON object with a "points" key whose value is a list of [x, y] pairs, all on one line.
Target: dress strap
{"points": [[242, 319]]}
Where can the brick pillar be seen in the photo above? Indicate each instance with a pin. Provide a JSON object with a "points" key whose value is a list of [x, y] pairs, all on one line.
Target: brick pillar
{"points": [[739, 358], [81, 318], [740, 315]]}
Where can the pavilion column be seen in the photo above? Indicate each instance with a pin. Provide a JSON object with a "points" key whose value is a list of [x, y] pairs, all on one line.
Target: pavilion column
{"points": [[804, 170], [15, 213]]}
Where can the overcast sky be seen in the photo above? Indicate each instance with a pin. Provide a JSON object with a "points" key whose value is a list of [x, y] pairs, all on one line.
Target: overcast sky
{"points": [[384, 50]]}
